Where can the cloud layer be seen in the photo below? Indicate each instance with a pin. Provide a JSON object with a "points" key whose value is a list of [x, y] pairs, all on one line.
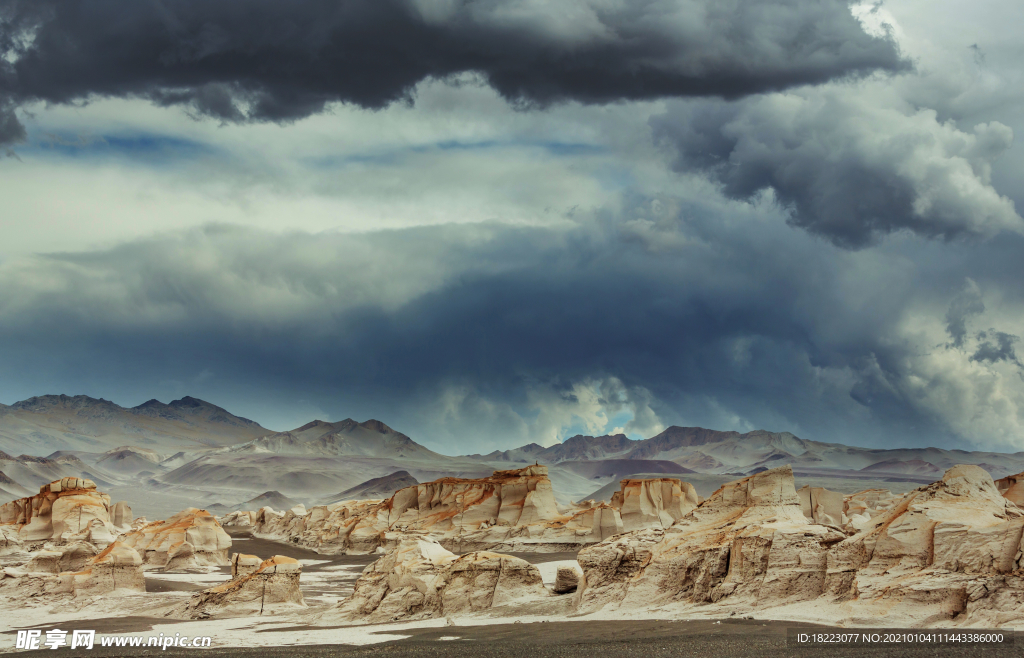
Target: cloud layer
{"points": [[265, 60], [851, 168]]}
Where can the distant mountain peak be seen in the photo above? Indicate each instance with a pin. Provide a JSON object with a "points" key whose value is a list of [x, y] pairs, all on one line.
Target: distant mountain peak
{"points": [[46, 402]]}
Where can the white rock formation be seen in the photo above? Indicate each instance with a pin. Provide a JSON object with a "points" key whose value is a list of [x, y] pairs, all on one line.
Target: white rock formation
{"points": [[749, 541], [65, 510], [238, 520], [508, 511], [654, 502], [191, 538], [822, 506], [945, 550], [421, 579], [121, 515], [115, 570], [256, 588]]}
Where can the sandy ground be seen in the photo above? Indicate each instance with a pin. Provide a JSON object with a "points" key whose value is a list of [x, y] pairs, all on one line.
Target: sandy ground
{"points": [[539, 628], [579, 639]]}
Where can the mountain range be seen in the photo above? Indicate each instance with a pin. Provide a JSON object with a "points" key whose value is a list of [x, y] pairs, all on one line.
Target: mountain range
{"points": [[189, 452]]}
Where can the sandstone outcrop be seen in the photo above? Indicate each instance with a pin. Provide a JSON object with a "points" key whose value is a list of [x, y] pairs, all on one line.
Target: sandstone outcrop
{"points": [[1012, 488], [238, 520], [654, 502], [948, 549], [421, 579], [508, 511], [822, 506], [860, 507], [70, 557], [190, 539], [65, 510], [256, 588], [946, 553], [115, 570], [121, 515], [749, 542]]}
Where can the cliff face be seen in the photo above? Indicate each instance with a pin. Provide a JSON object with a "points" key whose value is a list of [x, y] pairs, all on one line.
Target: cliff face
{"points": [[66, 510], [510, 510]]}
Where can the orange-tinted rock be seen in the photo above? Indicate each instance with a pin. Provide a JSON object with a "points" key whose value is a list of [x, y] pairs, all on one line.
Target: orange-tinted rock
{"points": [[508, 511], [191, 538], [69, 509], [271, 587]]}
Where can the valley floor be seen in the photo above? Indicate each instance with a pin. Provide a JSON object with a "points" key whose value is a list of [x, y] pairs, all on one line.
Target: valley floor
{"points": [[573, 639]]}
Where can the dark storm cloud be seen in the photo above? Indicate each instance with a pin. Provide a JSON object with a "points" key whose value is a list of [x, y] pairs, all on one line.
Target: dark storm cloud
{"points": [[456, 334], [995, 346], [267, 60], [849, 167]]}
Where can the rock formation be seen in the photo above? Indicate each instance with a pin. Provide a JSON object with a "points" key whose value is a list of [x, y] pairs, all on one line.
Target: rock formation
{"points": [[822, 506], [510, 511], [946, 553], [421, 579], [237, 520], [65, 510], [70, 557], [567, 579], [860, 507], [121, 515], [748, 541], [255, 588], [115, 570], [654, 502], [191, 538], [1012, 488], [945, 550]]}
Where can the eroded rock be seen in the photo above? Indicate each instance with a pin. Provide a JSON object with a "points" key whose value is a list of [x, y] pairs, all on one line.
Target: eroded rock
{"points": [[421, 579], [65, 510], [749, 542], [191, 538], [271, 587], [508, 511]]}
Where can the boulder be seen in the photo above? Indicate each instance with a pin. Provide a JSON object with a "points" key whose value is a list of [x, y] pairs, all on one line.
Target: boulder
{"points": [[238, 520], [421, 579], [270, 588], [567, 579], [190, 539], [243, 565]]}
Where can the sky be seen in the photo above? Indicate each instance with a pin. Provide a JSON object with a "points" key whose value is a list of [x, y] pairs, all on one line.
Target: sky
{"points": [[488, 223]]}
